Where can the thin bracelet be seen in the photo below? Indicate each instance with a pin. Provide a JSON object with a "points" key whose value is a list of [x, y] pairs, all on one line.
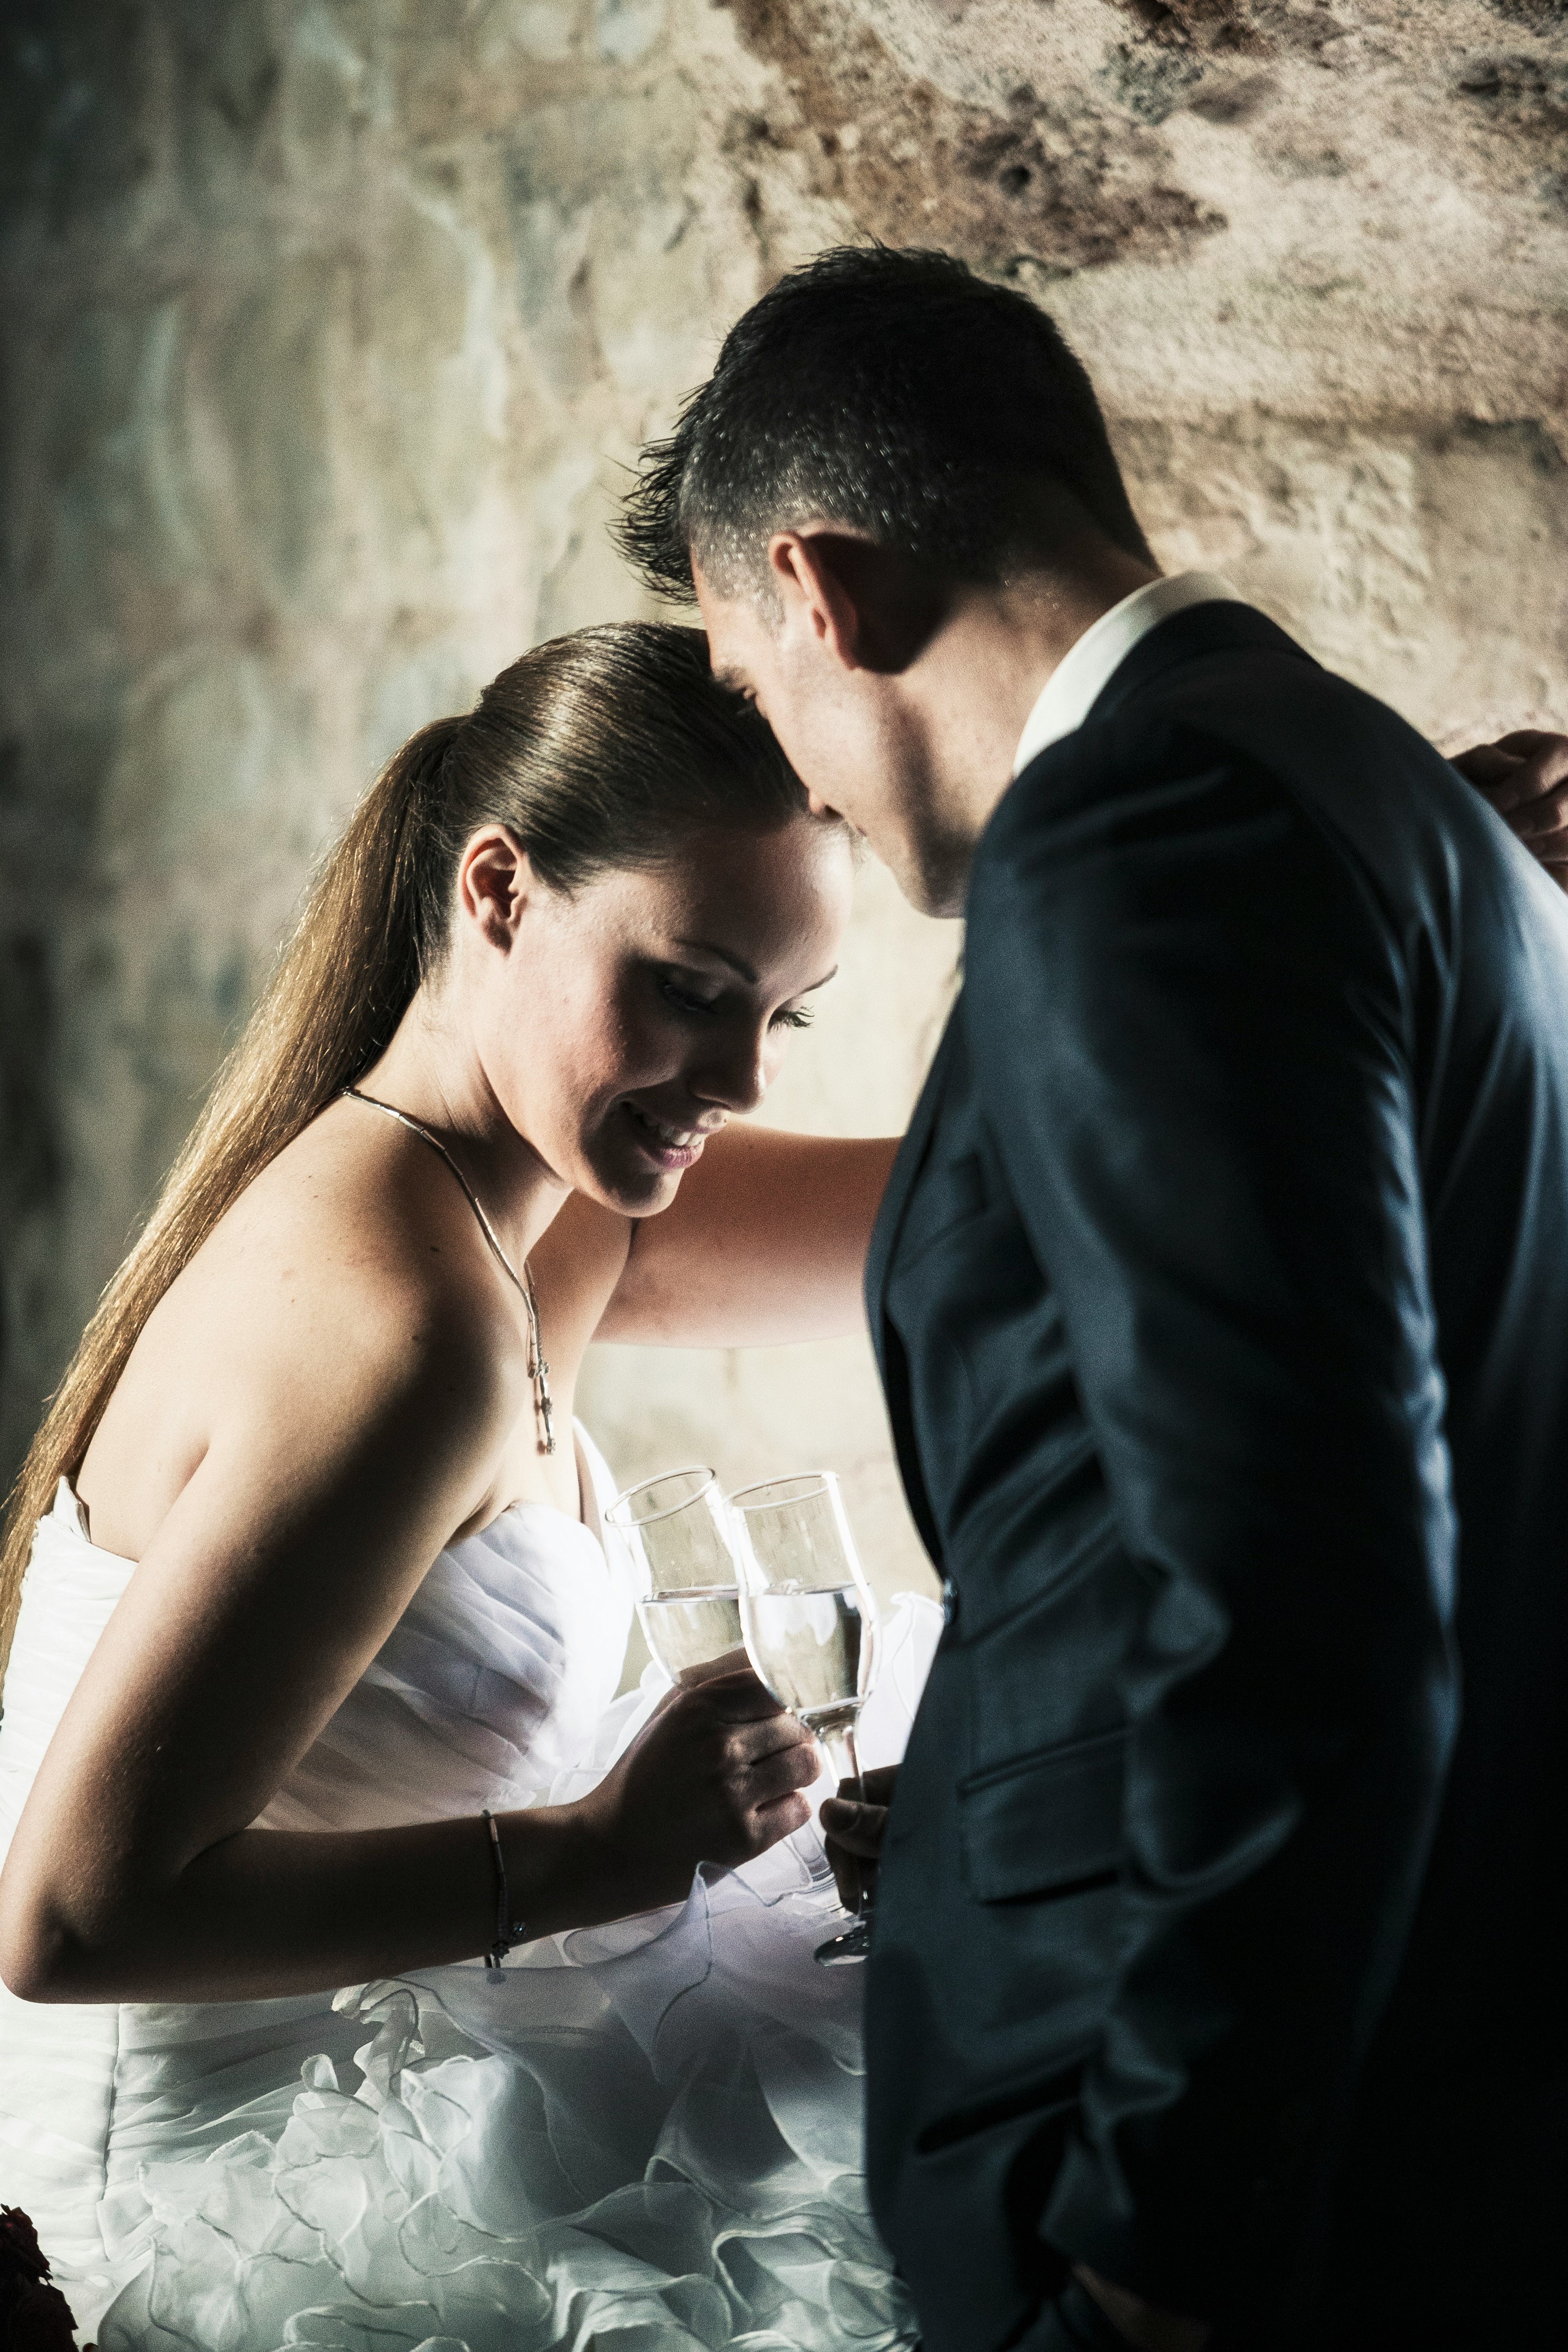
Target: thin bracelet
{"points": [[509, 1931]]}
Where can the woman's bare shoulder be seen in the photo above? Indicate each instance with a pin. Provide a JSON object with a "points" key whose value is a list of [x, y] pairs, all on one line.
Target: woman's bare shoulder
{"points": [[356, 1232], [341, 1293]]}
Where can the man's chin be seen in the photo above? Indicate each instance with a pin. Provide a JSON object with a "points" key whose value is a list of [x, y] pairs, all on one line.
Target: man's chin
{"points": [[933, 875], [935, 887]]}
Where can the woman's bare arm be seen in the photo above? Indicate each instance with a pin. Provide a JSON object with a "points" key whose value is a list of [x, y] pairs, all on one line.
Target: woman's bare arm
{"points": [[765, 1241], [352, 1446]]}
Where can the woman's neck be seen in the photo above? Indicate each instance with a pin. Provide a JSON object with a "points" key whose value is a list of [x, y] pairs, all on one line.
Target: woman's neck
{"points": [[432, 1072]]}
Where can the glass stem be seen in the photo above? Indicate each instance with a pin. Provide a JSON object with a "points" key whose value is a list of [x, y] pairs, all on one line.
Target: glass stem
{"points": [[845, 1756]]}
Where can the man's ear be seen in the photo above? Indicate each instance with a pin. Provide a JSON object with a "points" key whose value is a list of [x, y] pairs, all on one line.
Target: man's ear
{"points": [[495, 880], [868, 608]]}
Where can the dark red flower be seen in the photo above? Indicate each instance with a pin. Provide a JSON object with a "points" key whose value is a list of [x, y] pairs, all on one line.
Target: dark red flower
{"points": [[21, 2256], [34, 2316]]}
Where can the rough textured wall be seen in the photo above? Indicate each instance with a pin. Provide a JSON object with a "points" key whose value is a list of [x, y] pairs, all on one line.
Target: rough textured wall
{"points": [[330, 322]]}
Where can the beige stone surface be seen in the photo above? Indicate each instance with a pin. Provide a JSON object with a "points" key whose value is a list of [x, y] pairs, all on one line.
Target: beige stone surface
{"points": [[332, 322]]}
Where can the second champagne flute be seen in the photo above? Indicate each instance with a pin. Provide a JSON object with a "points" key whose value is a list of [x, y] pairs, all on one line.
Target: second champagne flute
{"points": [[810, 1623]]}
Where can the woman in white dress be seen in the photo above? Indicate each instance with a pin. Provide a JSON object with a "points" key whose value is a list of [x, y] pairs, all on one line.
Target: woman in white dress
{"points": [[311, 1676]]}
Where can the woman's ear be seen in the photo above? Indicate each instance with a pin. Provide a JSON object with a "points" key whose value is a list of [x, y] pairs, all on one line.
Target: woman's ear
{"points": [[495, 879]]}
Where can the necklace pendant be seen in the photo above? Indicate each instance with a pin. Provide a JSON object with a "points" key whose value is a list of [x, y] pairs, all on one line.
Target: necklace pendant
{"points": [[546, 1419]]}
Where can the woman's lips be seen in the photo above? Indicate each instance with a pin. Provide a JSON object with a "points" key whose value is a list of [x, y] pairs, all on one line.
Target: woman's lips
{"points": [[672, 1148]]}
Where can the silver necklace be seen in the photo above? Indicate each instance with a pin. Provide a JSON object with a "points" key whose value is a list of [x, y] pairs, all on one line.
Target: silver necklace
{"points": [[538, 1369]]}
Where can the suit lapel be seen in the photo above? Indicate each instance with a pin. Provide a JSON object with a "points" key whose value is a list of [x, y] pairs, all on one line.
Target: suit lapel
{"points": [[1201, 629], [906, 1166], [891, 1360]]}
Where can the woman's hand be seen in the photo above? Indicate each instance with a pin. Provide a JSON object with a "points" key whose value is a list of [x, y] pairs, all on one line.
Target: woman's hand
{"points": [[717, 1776], [853, 1829], [1525, 777]]}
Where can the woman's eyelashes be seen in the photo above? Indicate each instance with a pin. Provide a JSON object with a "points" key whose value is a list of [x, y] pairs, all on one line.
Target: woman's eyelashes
{"points": [[684, 1000]]}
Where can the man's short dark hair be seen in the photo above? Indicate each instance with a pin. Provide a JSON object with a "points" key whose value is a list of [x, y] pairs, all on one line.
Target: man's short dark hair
{"points": [[891, 392]]}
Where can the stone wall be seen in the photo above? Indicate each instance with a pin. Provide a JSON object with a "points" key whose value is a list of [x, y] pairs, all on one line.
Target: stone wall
{"points": [[330, 323]]}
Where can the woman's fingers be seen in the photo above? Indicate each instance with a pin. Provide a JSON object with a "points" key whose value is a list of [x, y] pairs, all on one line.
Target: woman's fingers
{"points": [[732, 1694], [780, 1820], [770, 1788], [762, 1779], [732, 1663], [744, 1745]]}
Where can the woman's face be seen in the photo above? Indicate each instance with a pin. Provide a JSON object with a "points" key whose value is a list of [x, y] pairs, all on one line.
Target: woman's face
{"points": [[619, 1027]]}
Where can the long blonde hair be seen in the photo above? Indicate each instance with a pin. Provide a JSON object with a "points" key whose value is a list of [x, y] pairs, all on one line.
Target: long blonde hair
{"points": [[600, 751]]}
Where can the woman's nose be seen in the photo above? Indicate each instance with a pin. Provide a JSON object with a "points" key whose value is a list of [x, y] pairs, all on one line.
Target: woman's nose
{"points": [[736, 1077]]}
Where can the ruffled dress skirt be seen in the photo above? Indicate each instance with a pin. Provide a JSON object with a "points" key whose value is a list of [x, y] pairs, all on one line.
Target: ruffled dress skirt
{"points": [[646, 2137]]}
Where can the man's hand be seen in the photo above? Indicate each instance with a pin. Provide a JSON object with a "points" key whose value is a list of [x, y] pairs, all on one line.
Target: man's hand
{"points": [[1140, 2322], [852, 1828], [1525, 777]]}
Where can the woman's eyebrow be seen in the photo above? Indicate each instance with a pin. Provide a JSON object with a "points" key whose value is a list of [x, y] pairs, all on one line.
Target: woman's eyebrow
{"points": [[706, 946]]}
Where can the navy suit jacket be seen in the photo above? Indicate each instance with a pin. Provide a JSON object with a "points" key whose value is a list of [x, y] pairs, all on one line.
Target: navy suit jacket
{"points": [[1221, 1299]]}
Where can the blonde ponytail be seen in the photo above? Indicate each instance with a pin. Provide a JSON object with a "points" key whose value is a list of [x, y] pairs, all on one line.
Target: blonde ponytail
{"points": [[341, 986]]}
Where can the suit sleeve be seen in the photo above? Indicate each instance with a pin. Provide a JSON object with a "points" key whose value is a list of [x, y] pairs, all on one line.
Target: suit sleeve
{"points": [[1188, 1014]]}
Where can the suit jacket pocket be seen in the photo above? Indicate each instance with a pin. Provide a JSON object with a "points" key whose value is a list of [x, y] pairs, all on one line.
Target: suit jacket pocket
{"points": [[1047, 1822]]}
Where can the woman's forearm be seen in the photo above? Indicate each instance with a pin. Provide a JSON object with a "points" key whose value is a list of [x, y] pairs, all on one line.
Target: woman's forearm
{"points": [[270, 1912], [716, 1774], [765, 1242]]}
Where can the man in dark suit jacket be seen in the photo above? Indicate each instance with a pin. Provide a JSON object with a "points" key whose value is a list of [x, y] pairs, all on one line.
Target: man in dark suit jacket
{"points": [[1221, 1298]]}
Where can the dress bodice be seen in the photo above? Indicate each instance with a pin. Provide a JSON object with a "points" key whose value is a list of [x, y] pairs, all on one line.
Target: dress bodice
{"points": [[488, 1690]]}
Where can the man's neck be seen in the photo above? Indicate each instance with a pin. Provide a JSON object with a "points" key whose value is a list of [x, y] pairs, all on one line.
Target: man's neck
{"points": [[994, 657]]}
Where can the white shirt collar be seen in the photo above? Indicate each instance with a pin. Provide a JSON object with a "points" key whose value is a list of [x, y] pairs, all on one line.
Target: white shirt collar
{"points": [[1075, 684]]}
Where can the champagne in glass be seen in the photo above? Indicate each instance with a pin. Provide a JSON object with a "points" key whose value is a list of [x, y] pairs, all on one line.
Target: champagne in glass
{"points": [[690, 1629], [676, 1528], [810, 1624], [813, 1643]]}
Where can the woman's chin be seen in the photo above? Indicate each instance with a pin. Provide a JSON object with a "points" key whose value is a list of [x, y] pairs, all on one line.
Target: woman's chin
{"points": [[631, 1191], [639, 1172]]}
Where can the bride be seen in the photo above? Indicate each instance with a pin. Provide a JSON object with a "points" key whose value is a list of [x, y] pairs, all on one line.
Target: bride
{"points": [[312, 1677]]}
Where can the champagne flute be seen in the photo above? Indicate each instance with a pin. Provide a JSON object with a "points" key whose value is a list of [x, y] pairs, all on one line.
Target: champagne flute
{"points": [[810, 1624], [676, 1528]]}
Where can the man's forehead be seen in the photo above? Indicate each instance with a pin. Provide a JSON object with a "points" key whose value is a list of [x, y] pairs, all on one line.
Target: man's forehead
{"points": [[733, 626], [732, 646]]}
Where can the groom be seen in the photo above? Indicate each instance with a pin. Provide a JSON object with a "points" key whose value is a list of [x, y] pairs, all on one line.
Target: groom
{"points": [[1221, 1297]]}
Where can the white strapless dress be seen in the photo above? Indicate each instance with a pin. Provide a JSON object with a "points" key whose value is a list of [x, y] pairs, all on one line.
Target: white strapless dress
{"points": [[646, 2137]]}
